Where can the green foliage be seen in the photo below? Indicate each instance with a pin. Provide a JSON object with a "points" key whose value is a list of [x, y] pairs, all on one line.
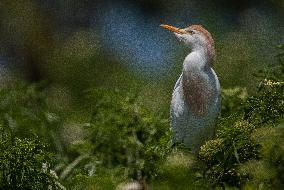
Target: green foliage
{"points": [[235, 147], [105, 179], [126, 134], [267, 107], [123, 140], [233, 100], [247, 152], [266, 172], [227, 151], [180, 171], [278, 70], [24, 110], [274, 72], [24, 164]]}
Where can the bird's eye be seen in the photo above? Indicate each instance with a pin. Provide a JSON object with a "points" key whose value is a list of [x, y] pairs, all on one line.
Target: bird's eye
{"points": [[191, 32]]}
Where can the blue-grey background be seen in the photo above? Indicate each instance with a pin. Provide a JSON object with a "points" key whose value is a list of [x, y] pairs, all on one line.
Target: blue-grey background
{"points": [[74, 45]]}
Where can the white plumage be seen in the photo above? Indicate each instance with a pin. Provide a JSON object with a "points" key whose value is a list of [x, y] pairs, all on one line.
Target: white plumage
{"points": [[196, 102]]}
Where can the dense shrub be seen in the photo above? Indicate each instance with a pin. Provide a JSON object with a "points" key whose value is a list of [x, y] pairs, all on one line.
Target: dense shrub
{"points": [[180, 171], [123, 141], [24, 110], [267, 106], [267, 172], [233, 100], [247, 151], [105, 179], [224, 154], [24, 164], [123, 136], [239, 148]]}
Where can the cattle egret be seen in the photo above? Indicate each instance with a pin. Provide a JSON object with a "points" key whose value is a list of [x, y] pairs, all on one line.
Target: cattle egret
{"points": [[196, 100]]}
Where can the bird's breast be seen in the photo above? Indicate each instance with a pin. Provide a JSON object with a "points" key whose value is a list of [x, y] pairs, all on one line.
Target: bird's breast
{"points": [[199, 90]]}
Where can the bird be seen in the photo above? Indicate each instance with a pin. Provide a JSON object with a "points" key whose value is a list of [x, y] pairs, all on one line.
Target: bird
{"points": [[196, 98]]}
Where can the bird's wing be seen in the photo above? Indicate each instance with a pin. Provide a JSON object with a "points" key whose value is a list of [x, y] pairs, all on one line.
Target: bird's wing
{"points": [[218, 88], [197, 93], [175, 97], [178, 82], [177, 103]]}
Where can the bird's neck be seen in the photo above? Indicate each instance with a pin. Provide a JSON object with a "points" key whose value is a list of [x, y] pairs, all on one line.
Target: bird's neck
{"points": [[198, 59], [195, 84]]}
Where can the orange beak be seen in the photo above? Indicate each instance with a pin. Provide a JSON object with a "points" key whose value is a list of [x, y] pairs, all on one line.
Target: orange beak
{"points": [[172, 28]]}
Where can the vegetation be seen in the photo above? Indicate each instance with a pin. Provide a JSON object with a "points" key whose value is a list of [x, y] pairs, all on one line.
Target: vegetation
{"points": [[85, 88], [25, 164], [242, 154], [123, 137], [123, 141]]}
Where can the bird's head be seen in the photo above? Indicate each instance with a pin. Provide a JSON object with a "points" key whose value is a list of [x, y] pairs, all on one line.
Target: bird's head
{"points": [[195, 36]]}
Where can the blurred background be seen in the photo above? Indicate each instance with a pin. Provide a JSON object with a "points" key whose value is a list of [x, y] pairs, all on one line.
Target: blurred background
{"points": [[76, 45], [94, 78]]}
